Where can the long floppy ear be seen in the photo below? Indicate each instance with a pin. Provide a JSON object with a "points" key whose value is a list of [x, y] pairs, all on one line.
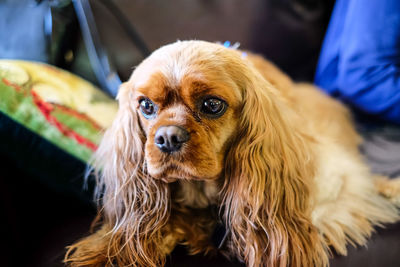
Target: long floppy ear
{"points": [[134, 206], [269, 172]]}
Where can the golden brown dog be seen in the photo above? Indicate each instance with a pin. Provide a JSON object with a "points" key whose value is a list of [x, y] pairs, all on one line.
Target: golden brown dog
{"points": [[201, 125]]}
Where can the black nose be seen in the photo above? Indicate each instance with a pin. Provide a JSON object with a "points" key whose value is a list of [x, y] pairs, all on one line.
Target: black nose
{"points": [[170, 138]]}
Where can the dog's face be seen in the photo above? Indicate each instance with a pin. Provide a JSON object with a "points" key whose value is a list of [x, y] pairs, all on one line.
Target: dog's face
{"points": [[187, 106]]}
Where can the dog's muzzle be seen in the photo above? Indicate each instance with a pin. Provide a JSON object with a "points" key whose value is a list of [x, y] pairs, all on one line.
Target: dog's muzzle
{"points": [[171, 138]]}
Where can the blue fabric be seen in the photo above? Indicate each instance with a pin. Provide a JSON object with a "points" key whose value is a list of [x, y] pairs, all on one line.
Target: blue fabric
{"points": [[360, 56], [23, 30]]}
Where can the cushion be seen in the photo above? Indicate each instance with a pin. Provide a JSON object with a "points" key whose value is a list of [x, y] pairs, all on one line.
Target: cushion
{"points": [[57, 105]]}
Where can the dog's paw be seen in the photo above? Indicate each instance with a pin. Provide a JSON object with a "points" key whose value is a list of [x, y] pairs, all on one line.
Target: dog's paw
{"points": [[389, 188]]}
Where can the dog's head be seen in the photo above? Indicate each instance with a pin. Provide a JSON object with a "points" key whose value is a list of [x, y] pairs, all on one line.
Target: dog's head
{"points": [[187, 104]]}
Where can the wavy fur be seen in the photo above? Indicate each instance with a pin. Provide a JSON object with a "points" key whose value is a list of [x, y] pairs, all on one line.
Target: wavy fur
{"points": [[268, 194], [135, 207]]}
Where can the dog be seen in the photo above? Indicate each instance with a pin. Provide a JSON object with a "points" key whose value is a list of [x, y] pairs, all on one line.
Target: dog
{"points": [[200, 126]]}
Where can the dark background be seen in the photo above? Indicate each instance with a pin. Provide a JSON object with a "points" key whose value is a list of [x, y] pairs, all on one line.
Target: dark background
{"points": [[41, 187]]}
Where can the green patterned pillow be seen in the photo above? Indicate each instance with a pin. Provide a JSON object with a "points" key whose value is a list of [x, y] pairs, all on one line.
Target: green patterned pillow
{"points": [[59, 106]]}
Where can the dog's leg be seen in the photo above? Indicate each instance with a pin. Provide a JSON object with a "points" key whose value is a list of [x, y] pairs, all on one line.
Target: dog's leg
{"points": [[90, 251], [390, 188], [98, 249]]}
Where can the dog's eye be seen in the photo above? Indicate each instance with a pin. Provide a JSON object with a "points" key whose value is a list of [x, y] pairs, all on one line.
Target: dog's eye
{"points": [[147, 107], [213, 106]]}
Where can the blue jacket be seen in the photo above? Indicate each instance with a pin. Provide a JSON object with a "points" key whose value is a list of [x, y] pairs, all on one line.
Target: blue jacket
{"points": [[360, 56]]}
